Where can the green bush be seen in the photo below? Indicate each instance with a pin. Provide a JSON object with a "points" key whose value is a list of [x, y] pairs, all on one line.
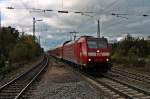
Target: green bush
{"points": [[115, 57], [148, 56], [131, 60], [136, 62], [25, 50], [118, 56], [2, 61], [147, 66], [131, 52]]}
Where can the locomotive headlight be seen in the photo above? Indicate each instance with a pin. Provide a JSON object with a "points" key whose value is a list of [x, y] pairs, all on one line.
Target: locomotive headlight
{"points": [[97, 51], [89, 59], [107, 59]]}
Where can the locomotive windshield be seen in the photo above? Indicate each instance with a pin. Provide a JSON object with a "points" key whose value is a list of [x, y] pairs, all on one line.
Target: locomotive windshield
{"points": [[97, 43]]}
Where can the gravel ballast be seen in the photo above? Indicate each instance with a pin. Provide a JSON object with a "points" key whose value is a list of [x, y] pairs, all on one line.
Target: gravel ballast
{"points": [[60, 83]]}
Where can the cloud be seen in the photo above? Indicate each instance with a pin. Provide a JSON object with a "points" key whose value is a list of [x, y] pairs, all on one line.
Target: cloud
{"points": [[49, 36], [56, 25]]}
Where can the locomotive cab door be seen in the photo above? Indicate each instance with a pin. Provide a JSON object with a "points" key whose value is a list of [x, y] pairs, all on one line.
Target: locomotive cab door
{"points": [[79, 53]]}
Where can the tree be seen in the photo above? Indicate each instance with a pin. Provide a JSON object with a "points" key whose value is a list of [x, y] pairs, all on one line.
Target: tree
{"points": [[19, 53], [17, 48], [133, 47], [9, 36], [148, 37]]}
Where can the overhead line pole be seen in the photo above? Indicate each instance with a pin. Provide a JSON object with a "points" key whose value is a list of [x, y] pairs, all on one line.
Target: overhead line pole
{"points": [[98, 24], [0, 20], [34, 21], [33, 27], [39, 40], [0, 33], [98, 28]]}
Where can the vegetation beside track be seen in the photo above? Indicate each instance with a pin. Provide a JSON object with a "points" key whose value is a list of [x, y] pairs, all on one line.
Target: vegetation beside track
{"points": [[16, 49], [132, 53]]}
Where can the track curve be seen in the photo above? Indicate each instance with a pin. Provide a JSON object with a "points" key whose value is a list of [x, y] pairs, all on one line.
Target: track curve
{"points": [[15, 88]]}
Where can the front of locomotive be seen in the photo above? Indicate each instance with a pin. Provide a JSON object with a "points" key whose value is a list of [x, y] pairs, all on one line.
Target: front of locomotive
{"points": [[98, 54]]}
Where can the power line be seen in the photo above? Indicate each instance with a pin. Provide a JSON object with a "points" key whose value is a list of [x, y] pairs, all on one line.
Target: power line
{"points": [[111, 5], [26, 8]]}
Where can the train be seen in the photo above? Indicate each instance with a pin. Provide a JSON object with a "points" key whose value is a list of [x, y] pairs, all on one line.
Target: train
{"points": [[87, 53]]}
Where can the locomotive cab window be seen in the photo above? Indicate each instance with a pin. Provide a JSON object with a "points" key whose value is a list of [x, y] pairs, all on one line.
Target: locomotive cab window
{"points": [[102, 44], [97, 43], [92, 44]]}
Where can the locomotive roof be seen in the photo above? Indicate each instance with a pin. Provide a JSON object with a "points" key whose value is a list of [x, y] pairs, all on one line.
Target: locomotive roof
{"points": [[68, 42], [88, 37]]}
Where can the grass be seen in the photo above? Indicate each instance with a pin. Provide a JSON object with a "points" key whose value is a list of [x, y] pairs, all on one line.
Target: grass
{"points": [[12, 67], [133, 65]]}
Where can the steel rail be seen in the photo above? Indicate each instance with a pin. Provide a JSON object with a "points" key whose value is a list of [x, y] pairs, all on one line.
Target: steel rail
{"points": [[139, 77], [3, 86], [128, 85], [88, 76], [23, 81], [122, 91], [94, 82], [25, 88]]}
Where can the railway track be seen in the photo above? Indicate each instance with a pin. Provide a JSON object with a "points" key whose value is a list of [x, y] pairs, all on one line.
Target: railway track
{"points": [[15, 88], [120, 90], [124, 89], [113, 88], [138, 77]]}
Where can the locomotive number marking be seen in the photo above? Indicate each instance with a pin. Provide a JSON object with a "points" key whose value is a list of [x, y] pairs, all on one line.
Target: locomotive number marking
{"points": [[98, 54]]}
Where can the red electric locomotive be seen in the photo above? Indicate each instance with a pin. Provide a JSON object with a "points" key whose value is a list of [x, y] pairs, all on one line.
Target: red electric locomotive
{"points": [[87, 52]]}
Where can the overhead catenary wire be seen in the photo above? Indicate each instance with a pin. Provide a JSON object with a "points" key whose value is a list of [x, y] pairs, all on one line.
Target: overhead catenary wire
{"points": [[80, 12], [26, 8], [110, 6]]}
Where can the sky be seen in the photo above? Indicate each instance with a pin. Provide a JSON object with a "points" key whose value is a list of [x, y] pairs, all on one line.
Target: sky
{"points": [[55, 27]]}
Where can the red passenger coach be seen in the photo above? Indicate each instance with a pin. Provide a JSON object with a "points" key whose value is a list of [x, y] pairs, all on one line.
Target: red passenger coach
{"points": [[87, 53], [68, 52], [57, 52]]}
